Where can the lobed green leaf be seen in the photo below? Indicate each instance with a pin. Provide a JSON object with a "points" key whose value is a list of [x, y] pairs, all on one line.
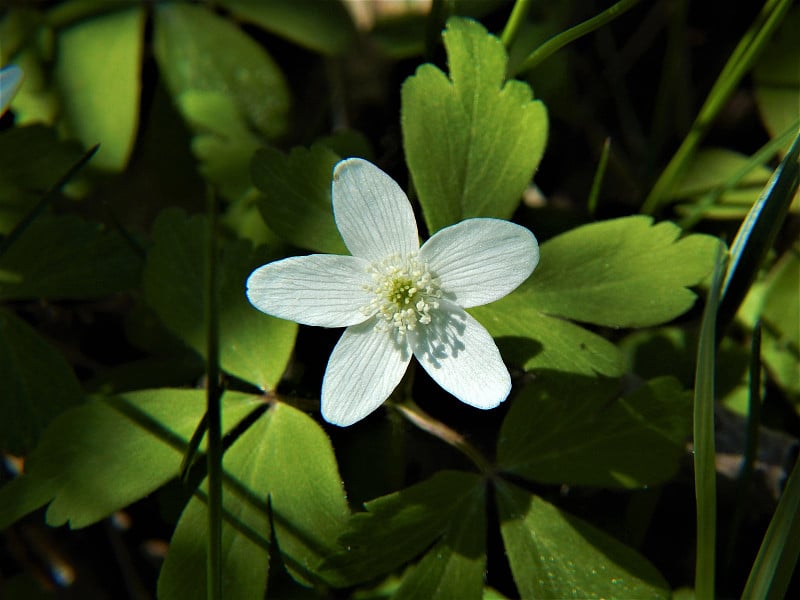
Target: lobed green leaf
{"points": [[400, 526], [581, 431], [624, 272], [472, 141]]}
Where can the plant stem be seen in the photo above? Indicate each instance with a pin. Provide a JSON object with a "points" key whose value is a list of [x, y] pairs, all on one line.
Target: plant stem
{"points": [[557, 42], [738, 64], [409, 409], [514, 21], [214, 412]]}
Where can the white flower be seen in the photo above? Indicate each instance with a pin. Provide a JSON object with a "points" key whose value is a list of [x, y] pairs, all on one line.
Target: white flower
{"points": [[397, 299]]}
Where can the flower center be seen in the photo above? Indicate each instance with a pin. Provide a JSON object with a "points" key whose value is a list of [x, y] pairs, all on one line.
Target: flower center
{"points": [[404, 291]]}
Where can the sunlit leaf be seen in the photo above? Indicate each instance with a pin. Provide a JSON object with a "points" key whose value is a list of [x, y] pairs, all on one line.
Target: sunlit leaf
{"points": [[472, 140], [283, 465], [712, 169], [66, 257], [197, 50], [307, 500], [105, 454], [322, 26], [296, 201], [223, 143], [37, 384], [555, 555], [98, 74], [400, 526], [253, 346], [533, 340], [624, 272], [582, 431]]}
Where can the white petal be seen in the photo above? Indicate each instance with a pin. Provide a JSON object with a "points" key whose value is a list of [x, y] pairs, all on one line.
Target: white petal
{"points": [[461, 356], [479, 261], [365, 367], [372, 212], [320, 289]]}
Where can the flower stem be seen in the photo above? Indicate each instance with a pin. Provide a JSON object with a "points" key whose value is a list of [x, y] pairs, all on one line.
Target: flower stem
{"points": [[411, 411], [213, 412]]}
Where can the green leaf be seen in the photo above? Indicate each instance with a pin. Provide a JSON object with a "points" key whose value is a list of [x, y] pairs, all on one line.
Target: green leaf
{"points": [[98, 74], [297, 196], [38, 384], [472, 142], [253, 346], [245, 561], [223, 143], [534, 341], [32, 160], [620, 273], [322, 26], [582, 431], [105, 454], [455, 566], [283, 465], [67, 258], [555, 555], [307, 500], [400, 526], [197, 50], [777, 78], [711, 170]]}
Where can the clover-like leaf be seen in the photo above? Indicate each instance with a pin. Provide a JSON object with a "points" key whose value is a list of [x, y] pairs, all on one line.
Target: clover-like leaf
{"points": [[581, 431], [67, 258], [472, 141], [555, 555], [252, 346], [29, 401], [400, 526], [98, 74], [197, 50], [455, 566], [296, 201], [105, 454]]}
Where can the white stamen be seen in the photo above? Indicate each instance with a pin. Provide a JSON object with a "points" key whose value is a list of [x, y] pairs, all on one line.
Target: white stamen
{"points": [[404, 291]]}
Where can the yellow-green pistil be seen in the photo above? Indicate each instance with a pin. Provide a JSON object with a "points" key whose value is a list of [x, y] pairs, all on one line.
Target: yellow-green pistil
{"points": [[404, 291]]}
